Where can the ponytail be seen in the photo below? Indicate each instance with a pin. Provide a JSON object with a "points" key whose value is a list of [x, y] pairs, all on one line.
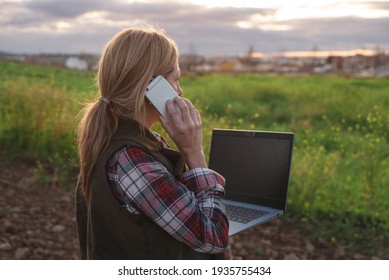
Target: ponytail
{"points": [[94, 132]]}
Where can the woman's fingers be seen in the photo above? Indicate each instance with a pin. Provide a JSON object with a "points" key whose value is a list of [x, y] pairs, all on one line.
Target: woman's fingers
{"points": [[173, 111], [166, 125], [182, 111], [184, 120], [183, 107], [192, 110], [185, 130]]}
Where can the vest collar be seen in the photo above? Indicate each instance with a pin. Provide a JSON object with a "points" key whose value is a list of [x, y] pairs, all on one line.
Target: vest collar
{"points": [[137, 133]]}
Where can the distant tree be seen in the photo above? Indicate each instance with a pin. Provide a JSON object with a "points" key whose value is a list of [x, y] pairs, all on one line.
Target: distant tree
{"points": [[314, 50], [250, 51], [189, 61]]}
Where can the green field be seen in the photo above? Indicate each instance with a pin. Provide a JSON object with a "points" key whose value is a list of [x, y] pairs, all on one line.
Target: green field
{"points": [[340, 171]]}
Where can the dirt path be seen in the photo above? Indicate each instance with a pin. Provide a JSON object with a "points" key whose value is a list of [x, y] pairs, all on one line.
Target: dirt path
{"points": [[37, 222]]}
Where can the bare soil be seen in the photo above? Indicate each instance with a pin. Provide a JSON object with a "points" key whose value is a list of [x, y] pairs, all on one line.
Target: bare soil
{"points": [[37, 221]]}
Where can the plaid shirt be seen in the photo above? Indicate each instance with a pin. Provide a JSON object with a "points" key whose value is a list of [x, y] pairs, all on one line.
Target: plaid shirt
{"points": [[190, 210]]}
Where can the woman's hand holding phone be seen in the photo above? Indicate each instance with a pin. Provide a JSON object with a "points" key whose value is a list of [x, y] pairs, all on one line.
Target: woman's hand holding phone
{"points": [[185, 130]]}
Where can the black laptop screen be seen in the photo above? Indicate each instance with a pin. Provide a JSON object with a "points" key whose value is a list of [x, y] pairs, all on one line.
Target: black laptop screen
{"points": [[256, 165]]}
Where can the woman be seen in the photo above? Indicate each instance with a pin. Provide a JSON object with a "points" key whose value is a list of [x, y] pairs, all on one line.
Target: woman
{"points": [[137, 198]]}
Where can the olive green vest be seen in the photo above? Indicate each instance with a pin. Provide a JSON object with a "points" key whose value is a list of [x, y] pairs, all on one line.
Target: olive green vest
{"points": [[106, 230]]}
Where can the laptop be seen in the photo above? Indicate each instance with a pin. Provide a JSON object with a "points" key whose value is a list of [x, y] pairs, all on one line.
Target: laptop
{"points": [[256, 166]]}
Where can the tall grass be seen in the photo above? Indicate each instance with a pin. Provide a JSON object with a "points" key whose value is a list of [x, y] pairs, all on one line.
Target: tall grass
{"points": [[37, 114], [340, 170]]}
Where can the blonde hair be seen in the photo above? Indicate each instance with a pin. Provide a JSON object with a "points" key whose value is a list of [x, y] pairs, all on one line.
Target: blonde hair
{"points": [[128, 63]]}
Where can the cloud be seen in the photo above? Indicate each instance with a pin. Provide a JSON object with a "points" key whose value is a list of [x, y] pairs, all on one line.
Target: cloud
{"points": [[74, 26], [341, 33], [64, 9], [379, 5], [45, 11]]}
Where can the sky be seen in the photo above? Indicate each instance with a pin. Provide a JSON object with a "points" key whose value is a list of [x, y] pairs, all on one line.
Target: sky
{"points": [[204, 27]]}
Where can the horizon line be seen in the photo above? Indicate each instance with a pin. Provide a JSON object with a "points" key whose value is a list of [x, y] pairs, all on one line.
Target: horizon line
{"points": [[311, 53]]}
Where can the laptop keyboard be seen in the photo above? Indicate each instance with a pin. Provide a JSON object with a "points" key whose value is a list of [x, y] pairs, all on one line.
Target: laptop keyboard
{"points": [[242, 214]]}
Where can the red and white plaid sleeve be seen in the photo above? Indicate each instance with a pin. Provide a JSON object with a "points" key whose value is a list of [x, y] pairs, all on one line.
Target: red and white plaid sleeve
{"points": [[190, 210]]}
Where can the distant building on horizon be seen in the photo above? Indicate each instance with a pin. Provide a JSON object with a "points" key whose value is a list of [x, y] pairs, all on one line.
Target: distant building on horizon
{"points": [[358, 62], [74, 62]]}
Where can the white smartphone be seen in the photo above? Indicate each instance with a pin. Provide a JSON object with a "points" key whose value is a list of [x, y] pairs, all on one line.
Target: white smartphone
{"points": [[159, 92]]}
